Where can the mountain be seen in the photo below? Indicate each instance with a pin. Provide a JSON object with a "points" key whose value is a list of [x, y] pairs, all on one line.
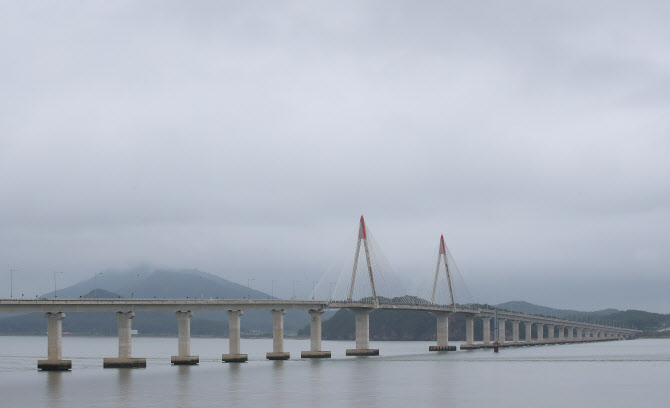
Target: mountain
{"points": [[145, 282], [529, 308], [101, 294], [148, 282]]}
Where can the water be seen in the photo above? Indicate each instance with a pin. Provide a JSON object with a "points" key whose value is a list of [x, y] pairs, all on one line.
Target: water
{"points": [[612, 374]]}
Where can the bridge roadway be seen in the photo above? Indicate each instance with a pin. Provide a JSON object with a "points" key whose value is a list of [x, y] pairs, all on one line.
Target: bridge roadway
{"points": [[54, 311]]}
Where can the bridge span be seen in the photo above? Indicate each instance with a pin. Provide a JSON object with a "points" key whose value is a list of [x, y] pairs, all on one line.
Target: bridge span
{"points": [[559, 331]]}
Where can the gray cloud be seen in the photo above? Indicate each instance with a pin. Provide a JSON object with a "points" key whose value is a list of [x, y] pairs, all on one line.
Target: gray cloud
{"points": [[246, 139]]}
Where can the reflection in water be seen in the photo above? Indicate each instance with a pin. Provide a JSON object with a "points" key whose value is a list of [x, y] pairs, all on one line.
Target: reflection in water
{"points": [[362, 382], [124, 385], [54, 388], [184, 385], [234, 383], [278, 390], [316, 383], [616, 374]]}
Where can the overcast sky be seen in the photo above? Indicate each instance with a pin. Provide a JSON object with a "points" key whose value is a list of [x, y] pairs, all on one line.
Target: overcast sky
{"points": [[246, 139]]}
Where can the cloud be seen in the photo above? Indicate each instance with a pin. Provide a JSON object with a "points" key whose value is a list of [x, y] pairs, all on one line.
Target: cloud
{"points": [[248, 138]]}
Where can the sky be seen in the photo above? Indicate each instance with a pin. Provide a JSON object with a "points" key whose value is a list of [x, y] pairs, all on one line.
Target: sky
{"points": [[246, 139]]}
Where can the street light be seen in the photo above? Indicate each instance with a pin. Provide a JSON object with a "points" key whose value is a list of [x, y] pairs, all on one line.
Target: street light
{"points": [[11, 283], [331, 290], [249, 287], [55, 288], [313, 288], [294, 281], [95, 284], [272, 293]]}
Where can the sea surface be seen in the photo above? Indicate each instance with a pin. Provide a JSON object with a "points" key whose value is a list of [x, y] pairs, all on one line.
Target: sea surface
{"points": [[634, 373]]}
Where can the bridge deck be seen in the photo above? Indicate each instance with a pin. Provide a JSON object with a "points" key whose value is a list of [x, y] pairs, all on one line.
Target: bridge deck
{"points": [[162, 305]]}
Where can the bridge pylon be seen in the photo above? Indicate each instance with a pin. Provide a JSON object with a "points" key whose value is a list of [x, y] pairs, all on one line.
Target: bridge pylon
{"points": [[442, 255], [363, 238]]}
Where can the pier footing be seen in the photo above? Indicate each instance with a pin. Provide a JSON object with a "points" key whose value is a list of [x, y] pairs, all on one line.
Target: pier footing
{"points": [[116, 362], [278, 355], [54, 365], [185, 360], [362, 352], [315, 354], [442, 348], [234, 358]]}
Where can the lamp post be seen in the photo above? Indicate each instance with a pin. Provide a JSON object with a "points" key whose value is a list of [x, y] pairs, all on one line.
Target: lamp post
{"points": [[55, 287], [272, 293], [294, 281], [11, 283], [313, 288], [331, 290], [95, 284], [249, 287]]}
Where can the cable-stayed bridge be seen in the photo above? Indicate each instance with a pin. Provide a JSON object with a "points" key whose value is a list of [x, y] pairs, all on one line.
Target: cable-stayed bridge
{"points": [[369, 285]]}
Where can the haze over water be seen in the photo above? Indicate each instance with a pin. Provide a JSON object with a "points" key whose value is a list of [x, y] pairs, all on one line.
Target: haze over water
{"points": [[612, 374]]}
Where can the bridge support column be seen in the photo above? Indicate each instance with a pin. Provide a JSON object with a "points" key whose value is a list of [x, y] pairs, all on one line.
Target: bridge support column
{"points": [[550, 332], [234, 355], [561, 333], [184, 356], [362, 317], [125, 345], [540, 332], [529, 331], [442, 319], [571, 333], [486, 333], [278, 337], [501, 331], [469, 330], [54, 345], [515, 331], [315, 337]]}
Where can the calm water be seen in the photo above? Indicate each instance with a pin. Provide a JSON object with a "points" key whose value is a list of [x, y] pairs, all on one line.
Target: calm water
{"points": [[615, 374]]}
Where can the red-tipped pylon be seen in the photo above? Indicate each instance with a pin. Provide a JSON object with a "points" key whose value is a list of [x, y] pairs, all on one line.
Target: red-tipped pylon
{"points": [[443, 248], [361, 231]]}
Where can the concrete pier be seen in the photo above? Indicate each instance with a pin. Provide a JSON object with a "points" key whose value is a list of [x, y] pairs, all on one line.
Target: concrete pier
{"points": [[486, 333], [501, 331], [550, 332], [125, 345], [54, 360], [540, 332], [278, 337], [571, 333], [561, 333], [529, 331], [515, 331], [184, 356], [442, 333], [234, 355], [315, 336], [362, 317], [469, 330]]}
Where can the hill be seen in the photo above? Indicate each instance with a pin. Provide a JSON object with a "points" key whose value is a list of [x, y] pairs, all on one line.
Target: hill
{"points": [[529, 308]]}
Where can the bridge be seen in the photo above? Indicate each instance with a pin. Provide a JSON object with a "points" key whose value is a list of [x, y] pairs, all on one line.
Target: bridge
{"points": [[360, 302]]}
